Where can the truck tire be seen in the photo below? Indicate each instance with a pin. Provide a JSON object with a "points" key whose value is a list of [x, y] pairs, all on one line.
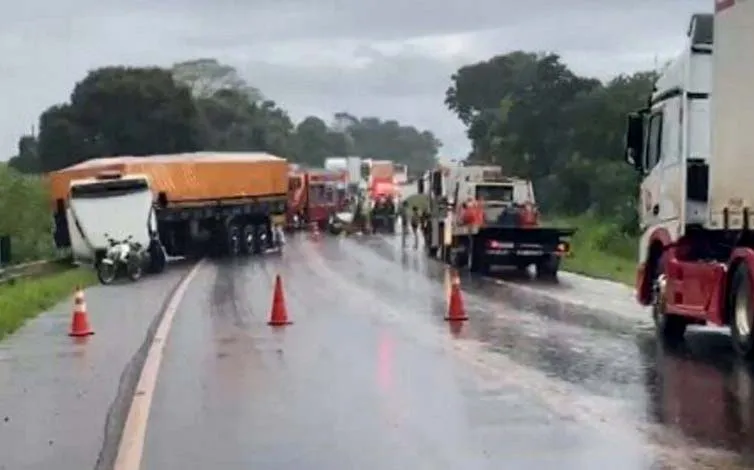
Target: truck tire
{"points": [[233, 240], [158, 259], [547, 267], [669, 328], [522, 268], [478, 263], [247, 239], [742, 313]]}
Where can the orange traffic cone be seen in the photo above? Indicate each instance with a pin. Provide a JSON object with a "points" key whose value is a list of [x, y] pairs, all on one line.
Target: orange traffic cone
{"points": [[456, 311], [279, 313], [80, 321]]}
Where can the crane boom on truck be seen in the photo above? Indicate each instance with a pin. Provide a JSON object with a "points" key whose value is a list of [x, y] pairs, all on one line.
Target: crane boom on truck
{"points": [[692, 147], [231, 203], [479, 218]]}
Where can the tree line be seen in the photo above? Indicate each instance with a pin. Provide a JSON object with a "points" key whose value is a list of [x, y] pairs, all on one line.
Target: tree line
{"points": [[537, 118], [202, 105], [526, 111]]}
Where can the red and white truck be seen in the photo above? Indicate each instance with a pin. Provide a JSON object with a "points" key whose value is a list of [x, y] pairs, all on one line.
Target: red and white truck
{"points": [[692, 146], [313, 196]]}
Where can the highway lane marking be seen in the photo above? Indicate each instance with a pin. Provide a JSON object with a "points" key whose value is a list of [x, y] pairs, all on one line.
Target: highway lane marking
{"points": [[131, 445]]}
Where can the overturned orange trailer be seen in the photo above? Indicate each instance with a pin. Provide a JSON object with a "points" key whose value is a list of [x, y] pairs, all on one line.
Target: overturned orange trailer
{"points": [[229, 200]]}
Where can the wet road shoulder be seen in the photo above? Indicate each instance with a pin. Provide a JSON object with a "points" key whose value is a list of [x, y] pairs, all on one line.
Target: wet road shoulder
{"points": [[61, 400]]}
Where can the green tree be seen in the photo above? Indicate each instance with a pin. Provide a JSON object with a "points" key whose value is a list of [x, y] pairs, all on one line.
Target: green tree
{"points": [[203, 105], [389, 140], [529, 113], [27, 158], [205, 77], [119, 111]]}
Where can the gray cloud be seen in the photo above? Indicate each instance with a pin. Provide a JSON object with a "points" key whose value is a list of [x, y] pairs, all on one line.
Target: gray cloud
{"points": [[386, 58]]}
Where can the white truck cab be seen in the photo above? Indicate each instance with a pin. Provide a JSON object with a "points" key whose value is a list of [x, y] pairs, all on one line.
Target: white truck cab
{"points": [[489, 186], [692, 147], [505, 232], [112, 206]]}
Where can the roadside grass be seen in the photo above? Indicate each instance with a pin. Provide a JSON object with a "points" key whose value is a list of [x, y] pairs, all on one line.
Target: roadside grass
{"points": [[26, 298], [599, 249]]}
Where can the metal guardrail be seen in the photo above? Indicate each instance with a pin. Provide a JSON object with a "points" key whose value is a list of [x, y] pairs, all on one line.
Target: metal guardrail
{"points": [[10, 274]]}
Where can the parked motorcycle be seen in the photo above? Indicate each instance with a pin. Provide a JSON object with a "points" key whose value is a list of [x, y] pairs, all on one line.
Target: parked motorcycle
{"points": [[125, 256]]}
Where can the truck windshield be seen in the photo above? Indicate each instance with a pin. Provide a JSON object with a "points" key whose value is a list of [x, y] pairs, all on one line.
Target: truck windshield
{"points": [[106, 189], [117, 208], [322, 193], [494, 192]]}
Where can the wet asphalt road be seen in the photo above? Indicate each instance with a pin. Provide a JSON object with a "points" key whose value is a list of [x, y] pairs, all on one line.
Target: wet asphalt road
{"points": [[370, 377], [62, 401]]}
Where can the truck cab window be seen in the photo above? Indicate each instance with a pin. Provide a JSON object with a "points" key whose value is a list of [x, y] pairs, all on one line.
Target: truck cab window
{"points": [[495, 193], [654, 142]]}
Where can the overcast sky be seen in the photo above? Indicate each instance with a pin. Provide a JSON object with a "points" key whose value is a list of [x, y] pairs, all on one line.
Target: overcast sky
{"points": [[389, 58]]}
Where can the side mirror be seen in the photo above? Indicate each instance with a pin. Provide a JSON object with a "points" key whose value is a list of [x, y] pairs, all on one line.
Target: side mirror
{"points": [[634, 141]]}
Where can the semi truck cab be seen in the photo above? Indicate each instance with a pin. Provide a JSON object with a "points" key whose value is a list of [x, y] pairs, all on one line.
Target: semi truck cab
{"points": [[112, 205], [691, 146]]}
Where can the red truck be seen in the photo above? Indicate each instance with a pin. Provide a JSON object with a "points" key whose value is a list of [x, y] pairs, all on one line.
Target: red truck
{"points": [[312, 197]]}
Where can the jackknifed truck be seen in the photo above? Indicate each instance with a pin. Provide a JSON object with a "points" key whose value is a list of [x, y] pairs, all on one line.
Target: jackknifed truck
{"points": [[479, 218], [692, 146], [176, 205]]}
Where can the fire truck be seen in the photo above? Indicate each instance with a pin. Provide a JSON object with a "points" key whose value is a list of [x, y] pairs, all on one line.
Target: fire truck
{"points": [[691, 145]]}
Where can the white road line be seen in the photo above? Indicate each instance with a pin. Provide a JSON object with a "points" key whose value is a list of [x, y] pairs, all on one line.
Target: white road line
{"points": [[131, 445]]}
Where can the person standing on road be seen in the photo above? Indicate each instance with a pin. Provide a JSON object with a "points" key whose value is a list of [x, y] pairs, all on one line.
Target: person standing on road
{"points": [[404, 222], [425, 221], [415, 221]]}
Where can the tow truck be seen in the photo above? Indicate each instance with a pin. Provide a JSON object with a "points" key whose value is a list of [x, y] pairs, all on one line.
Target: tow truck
{"points": [[692, 147], [509, 233]]}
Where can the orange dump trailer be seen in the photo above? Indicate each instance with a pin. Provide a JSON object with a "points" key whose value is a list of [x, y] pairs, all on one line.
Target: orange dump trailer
{"points": [[222, 199], [188, 178]]}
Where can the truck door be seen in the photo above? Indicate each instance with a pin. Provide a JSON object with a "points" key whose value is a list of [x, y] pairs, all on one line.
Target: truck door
{"points": [[649, 209]]}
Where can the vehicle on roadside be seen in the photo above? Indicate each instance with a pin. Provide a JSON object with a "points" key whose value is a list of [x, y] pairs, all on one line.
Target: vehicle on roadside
{"points": [[109, 207], [691, 146], [314, 195], [221, 203], [478, 218], [125, 257]]}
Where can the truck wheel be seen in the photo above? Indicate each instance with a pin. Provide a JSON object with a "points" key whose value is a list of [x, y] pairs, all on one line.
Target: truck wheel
{"points": [[158, 259], [741, 313], [669, 328], [547, 267], [247, 239], [479, 263], [522, 268], [233, 240], [256, 243]]}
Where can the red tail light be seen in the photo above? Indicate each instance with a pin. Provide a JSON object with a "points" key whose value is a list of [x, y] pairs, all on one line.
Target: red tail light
{"points": [[494, 244]]}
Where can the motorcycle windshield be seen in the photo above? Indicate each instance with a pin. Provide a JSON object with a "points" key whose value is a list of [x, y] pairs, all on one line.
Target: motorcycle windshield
{"points": [[119, 216]]}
